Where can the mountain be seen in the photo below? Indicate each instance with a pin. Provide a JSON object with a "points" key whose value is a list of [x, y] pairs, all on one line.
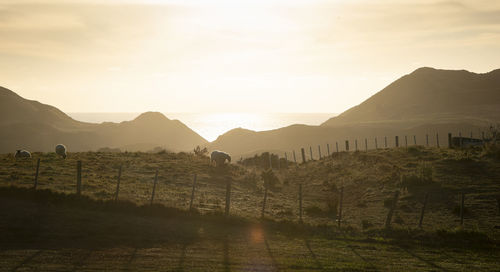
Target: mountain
{"points": [[425, 102], [430, 96], [38, 127]]}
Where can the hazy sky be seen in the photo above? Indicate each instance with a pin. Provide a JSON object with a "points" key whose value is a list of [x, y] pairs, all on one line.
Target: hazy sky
{"points": [[269, 56]]}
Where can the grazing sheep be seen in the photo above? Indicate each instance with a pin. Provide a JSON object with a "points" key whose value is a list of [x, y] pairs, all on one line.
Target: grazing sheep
{"points": [[22, 154], [219, 157], [61, 150]]}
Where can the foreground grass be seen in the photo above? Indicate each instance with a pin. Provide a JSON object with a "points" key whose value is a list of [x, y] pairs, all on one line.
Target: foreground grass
{"points": [[44, 230]]}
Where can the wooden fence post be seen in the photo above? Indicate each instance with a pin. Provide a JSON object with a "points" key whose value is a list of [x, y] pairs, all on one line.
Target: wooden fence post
{"points": [[118, 183], [406, 142], [192, 194], [270, 161], [376, 144], [286, 158], [427, 140], [319, 151], [414, 140], [397, 141], [154, 187], [347, 145], [264, 203], [311, 151], [294, 157], [450, 143], [36, 173], [340, 205], [356, 145], [328, 149], [462, 210], [437, 140], [78, 177], [423, 211], [300, 202], [303, 155], [366, 144], [391, 210], [385, 141], [461, 139], [228, 197], [337, 146]]}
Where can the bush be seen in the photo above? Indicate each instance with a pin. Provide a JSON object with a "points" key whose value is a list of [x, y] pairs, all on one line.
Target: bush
{"points": [[271, 181], [198, 151]]}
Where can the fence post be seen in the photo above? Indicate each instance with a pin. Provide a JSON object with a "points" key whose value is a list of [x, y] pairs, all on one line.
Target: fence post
{"points": [[414, 140], [340, 205], [264, 203], [347, 145], [462, 209], [356, 145], [270, 162], [286, 158], [437, 140], [406, 142], [328, 149], [294, 157], [427, 140], [118, 183], [303, 155], [397, 141], [337, 146], [366, 144], [192, 193], [460, 137], [154, 187], [228, 196], [300, 202], [450, 143], [423, 211], [319, 151], [376, 144], [385, 141], [78, 177], [36, 173], [311, 151], [391, 210]]}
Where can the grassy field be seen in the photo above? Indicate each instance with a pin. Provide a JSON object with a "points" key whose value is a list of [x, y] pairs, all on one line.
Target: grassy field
{"points": [[52, 229]]}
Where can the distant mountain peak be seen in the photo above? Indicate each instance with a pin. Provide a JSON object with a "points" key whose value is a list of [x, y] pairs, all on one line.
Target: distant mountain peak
{"points": [[151, 116]]}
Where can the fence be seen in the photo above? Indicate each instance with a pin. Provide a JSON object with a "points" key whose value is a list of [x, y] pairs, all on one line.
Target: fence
{"points": [[298, 202]]}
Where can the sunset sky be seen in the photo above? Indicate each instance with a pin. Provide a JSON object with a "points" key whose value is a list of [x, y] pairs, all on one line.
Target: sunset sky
{"points": [[237, 56]]}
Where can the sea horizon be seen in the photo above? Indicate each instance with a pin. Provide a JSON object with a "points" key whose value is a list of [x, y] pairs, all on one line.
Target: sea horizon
{"points": [[212, 125]]}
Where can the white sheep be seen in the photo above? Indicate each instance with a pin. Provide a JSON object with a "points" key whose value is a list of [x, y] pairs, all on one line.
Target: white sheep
{"points": [[219, 157], [61, 150], [22, 154]]}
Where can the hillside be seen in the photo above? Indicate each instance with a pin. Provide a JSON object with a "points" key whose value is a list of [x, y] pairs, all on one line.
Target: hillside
{"points": [[430, 96], [425, 102], [38, 127], [52, 228]]}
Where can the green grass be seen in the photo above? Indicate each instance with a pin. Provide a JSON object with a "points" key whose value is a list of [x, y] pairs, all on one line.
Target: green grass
{"points": [[53, 229]]}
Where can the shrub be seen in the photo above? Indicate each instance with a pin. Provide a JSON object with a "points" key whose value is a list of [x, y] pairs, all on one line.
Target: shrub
{"points": [[198, 151], [271, 181]]}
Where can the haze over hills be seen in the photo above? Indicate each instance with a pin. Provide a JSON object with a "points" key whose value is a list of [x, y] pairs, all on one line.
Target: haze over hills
{"points": [[427, 101], [39, 127]]}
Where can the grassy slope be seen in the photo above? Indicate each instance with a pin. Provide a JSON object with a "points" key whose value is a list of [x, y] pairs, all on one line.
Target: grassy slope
{"points": [[57, 231]]}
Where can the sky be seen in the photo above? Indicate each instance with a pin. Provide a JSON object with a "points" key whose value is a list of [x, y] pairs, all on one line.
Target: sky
{"points": [[234, 56]]}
